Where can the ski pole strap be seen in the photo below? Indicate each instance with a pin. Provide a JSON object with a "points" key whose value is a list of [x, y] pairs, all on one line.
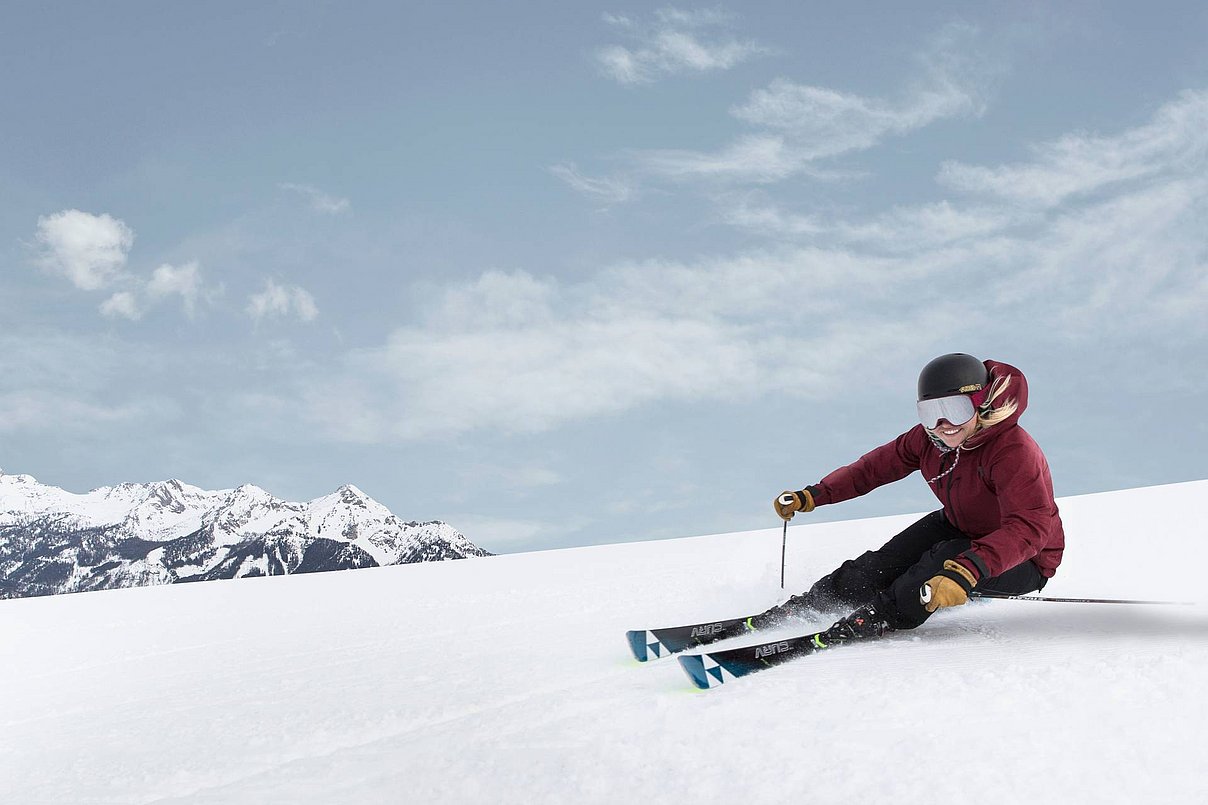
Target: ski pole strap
{"points": [[1051, 600]]}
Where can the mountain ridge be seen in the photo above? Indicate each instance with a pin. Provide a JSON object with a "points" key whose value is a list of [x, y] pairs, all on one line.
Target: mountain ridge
{"points": [[164, 532]]}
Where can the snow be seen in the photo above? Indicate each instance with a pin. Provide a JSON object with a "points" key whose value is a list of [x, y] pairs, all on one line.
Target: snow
{"points": [[507, 679]]}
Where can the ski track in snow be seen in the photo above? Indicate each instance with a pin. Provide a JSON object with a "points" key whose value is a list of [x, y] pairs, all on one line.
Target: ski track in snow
{"points": [[508, 680]]}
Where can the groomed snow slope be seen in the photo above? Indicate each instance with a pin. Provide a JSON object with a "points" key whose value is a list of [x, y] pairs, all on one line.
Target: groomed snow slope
{"points": [[507, 679]]}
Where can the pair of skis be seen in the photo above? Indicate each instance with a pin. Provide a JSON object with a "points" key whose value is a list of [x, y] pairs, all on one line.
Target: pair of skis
{"points": [[710, 669], [713, 668]]}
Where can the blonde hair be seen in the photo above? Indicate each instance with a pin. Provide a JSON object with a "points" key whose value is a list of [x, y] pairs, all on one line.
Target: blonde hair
{"points": [[990, 414]]}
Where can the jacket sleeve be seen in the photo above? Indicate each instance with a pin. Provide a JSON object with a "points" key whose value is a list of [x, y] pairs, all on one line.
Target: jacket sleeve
{"points": [[1027, 510], [884, 465]]}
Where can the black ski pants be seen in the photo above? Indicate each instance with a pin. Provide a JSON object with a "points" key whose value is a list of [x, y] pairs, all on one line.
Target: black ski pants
{"points": [[891, 576]]}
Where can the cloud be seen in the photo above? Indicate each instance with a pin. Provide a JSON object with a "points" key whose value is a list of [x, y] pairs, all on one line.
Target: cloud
{"points": [[672, 44], [833, 299], [607, 190], [513, 353], [166, 281], [40, 410], [319, 201], [122, 305], [802, 124], [90, 250], [756, 158], [517, 478], [902, 229], [183, 281], [281, 301], [1080, 164], [499, 533], [59, 383]]}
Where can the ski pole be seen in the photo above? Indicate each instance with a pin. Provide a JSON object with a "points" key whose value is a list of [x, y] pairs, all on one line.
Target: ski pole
{"points": [[1051, 600], [785, 500]]}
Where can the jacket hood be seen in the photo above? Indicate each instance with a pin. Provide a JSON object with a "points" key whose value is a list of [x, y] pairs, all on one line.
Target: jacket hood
{"points": [[1017, 391]]}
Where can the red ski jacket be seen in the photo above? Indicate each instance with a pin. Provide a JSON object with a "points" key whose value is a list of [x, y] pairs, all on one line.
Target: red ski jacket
{"points": [[1000, 494]]}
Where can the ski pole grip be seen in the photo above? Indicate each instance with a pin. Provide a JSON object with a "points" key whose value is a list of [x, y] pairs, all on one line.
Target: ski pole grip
{"points": [[786, 499]]}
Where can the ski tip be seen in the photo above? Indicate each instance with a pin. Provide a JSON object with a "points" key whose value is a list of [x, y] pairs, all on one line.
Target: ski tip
{"points": [[694, 667], [637, 644]]}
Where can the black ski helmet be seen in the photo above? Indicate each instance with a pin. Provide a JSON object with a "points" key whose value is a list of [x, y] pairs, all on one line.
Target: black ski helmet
{"points": [[955, 373]]}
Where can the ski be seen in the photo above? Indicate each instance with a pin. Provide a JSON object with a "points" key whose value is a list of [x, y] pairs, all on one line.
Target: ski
{"points": [[710, 669], [647, 644]]}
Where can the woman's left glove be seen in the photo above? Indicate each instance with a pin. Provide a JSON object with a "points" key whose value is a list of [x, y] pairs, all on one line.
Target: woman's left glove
{"points": [[948, 588]]}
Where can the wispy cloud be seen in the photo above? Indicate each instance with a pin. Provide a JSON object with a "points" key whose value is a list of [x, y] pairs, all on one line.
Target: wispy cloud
{"points": [[802, 124], [512, 352], [66, 383], [519, 354], [672, 44], [90, 250], [902, 229], [319, 201], [606, 190], [752, 158], [282, 301], [501, 533], [37, 410], [122, 305], [1079, 164]]}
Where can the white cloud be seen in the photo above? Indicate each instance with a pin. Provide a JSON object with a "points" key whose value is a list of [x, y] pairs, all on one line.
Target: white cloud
{"points": [[515, 478], [695, 18], [78, 384], [1078, 164], [90, 250], [672, 45], [499, 533], [183, 281], [280, 301], [39, 410], [123, 304], [824, 122], [1108, 230], [902, 229], [510, 352], [607, 190], [319, 200], [756, 158], [803, 124], [166, 281]]}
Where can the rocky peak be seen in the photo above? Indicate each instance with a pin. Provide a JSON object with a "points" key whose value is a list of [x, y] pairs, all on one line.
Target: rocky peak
{"points": [[54, 541]]}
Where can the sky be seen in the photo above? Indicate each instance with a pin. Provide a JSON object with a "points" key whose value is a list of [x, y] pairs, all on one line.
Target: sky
{"points": [[567, 273]]}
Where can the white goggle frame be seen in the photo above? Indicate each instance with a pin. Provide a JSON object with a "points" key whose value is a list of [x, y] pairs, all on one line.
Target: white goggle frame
{"points": [[957, 409]]}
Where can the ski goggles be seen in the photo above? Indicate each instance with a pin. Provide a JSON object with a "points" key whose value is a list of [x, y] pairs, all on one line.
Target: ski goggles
{"points": [[957, 409]]}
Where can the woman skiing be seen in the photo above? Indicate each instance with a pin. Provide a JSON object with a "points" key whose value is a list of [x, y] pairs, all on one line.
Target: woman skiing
{"points": [[998, 528]]}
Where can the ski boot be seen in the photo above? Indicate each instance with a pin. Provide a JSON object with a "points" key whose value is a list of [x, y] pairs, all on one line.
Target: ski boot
{"points": [[863, 623]]}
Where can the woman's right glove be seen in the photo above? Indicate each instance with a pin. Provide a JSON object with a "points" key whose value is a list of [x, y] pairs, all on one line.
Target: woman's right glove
{"points": [[789, 503]]}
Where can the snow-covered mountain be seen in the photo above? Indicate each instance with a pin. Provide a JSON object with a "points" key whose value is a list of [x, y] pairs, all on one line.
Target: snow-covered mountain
{"points": [[54, 541]]}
